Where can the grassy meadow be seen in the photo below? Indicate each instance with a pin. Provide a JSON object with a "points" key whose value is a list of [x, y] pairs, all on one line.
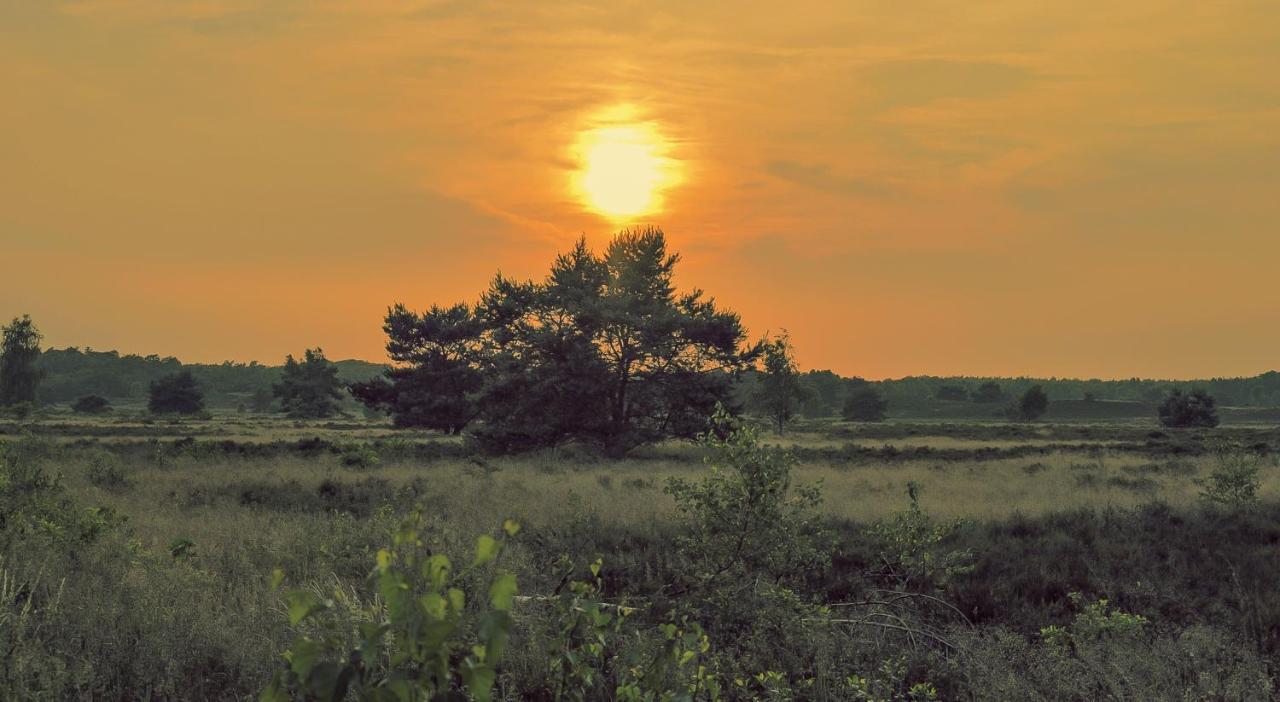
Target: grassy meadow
{"points": [[1017, 528]]}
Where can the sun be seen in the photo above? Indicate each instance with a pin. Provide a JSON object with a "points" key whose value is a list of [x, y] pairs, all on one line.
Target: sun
{"points": [[623, 169]]}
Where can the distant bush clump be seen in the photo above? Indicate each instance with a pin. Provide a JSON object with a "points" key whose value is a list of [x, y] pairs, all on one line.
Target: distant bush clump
{"points": [[864, 404], [1031, 406], [988, 392], [1194, 409], [91, 404], [176, 394]]}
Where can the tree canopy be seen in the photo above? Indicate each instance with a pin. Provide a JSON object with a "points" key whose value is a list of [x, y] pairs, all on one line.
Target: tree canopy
{"points": [[864, 403], [604, 350], [781, 390], [310, 389], [176, 393], [19, 351]]}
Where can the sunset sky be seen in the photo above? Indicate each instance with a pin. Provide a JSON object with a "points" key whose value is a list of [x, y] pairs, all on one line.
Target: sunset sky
{"points": [[1003, 188]]}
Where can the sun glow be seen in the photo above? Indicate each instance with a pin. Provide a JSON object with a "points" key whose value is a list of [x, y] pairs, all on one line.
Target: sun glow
{"points": [[623, 169]]}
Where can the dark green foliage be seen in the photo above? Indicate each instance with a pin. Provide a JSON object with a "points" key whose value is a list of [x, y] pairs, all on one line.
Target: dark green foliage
{"points": [[952, 393], [780, 392], [107, 471], [1194, 409], [262, 400], [310, 389], [19, 351], [176, 394], [824, 391], [1032, 405], [750, 538], [988, 392], [604, 351], [864, 404], [1234, 483], [74, 372], [91, 404], [417, 643], [437, 378]]}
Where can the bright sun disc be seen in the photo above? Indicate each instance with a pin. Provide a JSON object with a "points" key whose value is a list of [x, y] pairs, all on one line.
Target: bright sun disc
{"points": [[623, 169]]}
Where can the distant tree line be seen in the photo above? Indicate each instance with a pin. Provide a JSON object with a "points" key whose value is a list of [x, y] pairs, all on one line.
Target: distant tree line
{"points": [[72, 373]]}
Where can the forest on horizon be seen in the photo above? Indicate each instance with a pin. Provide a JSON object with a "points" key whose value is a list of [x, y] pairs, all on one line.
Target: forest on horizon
{"points": [[74, 372]]}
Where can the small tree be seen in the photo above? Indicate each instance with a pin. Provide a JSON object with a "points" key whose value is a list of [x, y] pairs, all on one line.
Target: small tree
{"points": [[1234, 483], [176, 393], [310, 389], [1194, 409], [780, 392], [988, 392], [91, 404], [864, 403], [1033, 404], [19, 352]]}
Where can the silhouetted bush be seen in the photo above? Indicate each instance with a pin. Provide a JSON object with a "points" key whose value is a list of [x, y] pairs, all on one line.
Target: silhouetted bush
{"points": [[988, 392], [91, 404], [1194, 409], [176, 394], [1032, 405], [864, 404]]}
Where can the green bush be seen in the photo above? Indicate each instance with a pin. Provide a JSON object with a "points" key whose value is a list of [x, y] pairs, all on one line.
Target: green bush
{"points": [[1234, 483], [106, 470]]}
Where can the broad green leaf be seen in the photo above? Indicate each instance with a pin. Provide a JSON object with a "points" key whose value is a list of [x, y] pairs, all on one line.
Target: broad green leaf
{"points": [[433, 605], [479, 678], [511, 527], [502, 592], [494, 632], [372, 634], [394, 590], [436, 570], [457, 599], [486, 549], [304, 656], [277, 577], [302, 604], [432, 635]]}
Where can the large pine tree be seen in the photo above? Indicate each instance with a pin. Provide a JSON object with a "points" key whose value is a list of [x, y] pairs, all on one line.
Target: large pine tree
{"points": [[604, 350]]}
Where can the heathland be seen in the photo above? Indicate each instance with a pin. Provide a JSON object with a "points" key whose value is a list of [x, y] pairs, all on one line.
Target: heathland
{"points": [[948, 560]]}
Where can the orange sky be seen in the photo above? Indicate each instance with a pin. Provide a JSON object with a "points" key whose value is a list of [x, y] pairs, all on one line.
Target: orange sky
{"points": [[1012, 187]]}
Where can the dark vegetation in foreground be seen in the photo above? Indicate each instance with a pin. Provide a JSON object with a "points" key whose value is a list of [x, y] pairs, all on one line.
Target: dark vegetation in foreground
{"points": [[746, 593]]}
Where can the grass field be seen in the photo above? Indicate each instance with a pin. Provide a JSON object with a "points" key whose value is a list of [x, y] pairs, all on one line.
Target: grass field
{"points": [[175, 600]]}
